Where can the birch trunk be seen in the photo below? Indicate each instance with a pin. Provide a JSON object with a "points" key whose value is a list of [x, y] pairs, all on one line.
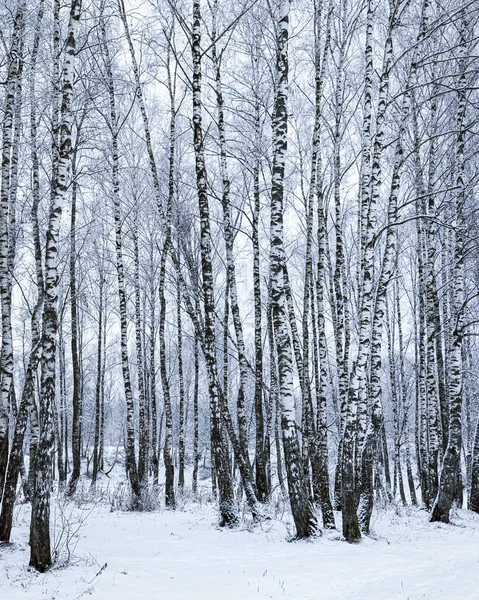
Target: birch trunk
{"points": [[152, 367], [229, 244], [451, 466], [142, 400], [98, 381], [15, 462], [386, 273], [262, 456], [474, 496], [168, 446], [194, 484], [130, 458], [76, 399], [40, 550], [405, 402], [181, 390], [27, 400], [15, 62], [220, 451], [303, 515]]}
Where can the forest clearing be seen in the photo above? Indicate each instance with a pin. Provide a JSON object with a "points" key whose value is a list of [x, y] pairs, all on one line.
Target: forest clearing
{"points": [[183, 554]]}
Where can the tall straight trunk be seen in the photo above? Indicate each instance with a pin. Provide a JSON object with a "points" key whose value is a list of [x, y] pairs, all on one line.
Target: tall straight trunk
{"points": [[451, 465], [168, 446], [7, 281], [16, 452], [338, 276], [76, 400], [384, 461], [262, 456], [60, 426], [35, 224], [316, 431], [404, 401], [220, 450], [40, 549], [225, 391], [295, 340], [130, 458], [433, 312], [15, 463], [378, 314], [152, 366], [474, 495], [27, 400], [34, 441], [356, 408], [431, 387], [167, 247], [15, 62], [320, 377], [303, 514], [181, 391], [196, 388], [101, 444], [366, 140], [146, 371], [422, 446], [142, 408], [229, 244], [398, 481], [370, 185], [427, 389], [273, 390], [98, 382]]}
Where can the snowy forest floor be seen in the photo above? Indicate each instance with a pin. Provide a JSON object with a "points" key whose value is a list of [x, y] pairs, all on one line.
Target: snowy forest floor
{"points": [[183, 555]]}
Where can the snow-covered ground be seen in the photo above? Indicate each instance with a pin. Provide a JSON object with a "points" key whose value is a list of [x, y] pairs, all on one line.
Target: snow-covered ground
{"points": [[183, 555]]}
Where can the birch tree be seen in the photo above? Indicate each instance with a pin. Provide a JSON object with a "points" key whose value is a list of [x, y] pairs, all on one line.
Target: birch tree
{"points": [[40, 548], [303, 515]]}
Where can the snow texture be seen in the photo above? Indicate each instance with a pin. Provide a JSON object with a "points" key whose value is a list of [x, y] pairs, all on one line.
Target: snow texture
{"points": [[183, 555]]}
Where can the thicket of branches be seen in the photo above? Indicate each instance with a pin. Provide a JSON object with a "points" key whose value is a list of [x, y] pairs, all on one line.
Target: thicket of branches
{"points": [[242, 236]]}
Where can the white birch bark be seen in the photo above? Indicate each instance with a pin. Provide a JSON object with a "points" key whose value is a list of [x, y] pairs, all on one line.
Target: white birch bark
{"points": [[298, 489], [40, 549], [15, 61]]}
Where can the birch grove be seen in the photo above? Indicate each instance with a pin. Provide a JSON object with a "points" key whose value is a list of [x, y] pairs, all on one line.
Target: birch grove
{"points": [[238, 244]]}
